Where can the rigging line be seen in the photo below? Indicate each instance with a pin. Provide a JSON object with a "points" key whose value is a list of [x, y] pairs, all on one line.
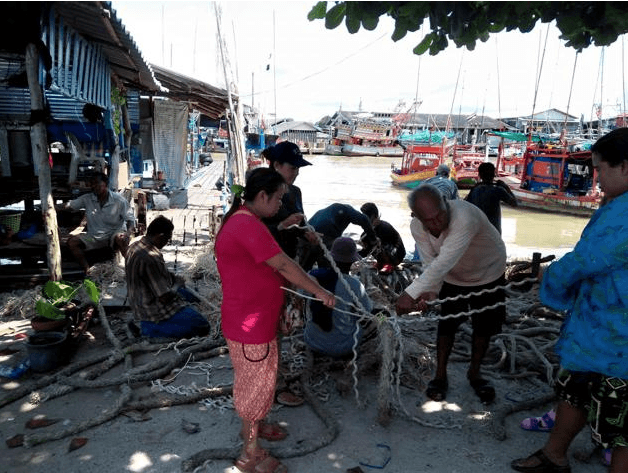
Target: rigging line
{"points": [[274, 70], [540, 71], [484, 102], [623, 82], [235, 50], [418, 75], [601, 85], [451, 110], [573, 75], [499, 98], [597, 81], [554, 76], [340, 61]]}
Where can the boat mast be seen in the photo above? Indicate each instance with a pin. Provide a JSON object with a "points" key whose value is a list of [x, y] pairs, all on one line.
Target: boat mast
{"points": [[274, 71], [236, 152], [416, 96], [538, 76], [573, 75], [623, 82], [451, 109], [416, 92], [599, 121]]}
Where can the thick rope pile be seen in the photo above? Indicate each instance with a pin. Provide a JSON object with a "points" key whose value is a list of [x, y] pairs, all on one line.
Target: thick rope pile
{"points": [[403, 348], [524, 345], [93, 372], [524, 348]]}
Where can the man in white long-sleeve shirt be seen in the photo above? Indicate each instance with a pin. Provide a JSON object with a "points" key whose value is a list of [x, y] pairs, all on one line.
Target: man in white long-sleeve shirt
{"points": [[463, 253]]}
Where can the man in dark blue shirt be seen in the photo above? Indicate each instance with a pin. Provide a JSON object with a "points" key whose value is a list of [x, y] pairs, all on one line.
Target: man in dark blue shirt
{"points": [[333, 220]]}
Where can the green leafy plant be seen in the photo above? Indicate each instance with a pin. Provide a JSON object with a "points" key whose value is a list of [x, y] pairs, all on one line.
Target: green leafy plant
{"points": [[581, 24], [58, 294], [118, 99]]}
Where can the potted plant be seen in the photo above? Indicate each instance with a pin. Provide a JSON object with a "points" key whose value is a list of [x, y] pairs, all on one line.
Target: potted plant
{"points": [[61, 301]]}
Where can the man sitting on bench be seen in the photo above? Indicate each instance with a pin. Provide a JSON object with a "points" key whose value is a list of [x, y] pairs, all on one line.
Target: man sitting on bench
{"points": [[110, 221]]}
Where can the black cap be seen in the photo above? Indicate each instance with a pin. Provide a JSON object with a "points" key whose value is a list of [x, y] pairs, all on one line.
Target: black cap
{"points": [[287, 152]]}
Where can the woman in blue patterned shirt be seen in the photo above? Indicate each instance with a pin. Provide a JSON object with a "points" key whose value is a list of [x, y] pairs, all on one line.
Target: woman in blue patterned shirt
{"points": [[591, 284]]}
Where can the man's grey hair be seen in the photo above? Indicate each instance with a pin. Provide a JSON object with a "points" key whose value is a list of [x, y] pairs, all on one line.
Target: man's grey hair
{"points": [[442, 170], [426, 189]]}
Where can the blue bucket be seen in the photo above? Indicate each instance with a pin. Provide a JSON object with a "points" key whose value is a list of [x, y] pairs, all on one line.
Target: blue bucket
{"points": [[46, 350]]}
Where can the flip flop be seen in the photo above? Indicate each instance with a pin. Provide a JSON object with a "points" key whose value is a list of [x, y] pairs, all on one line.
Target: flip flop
{"points": [[544, 465], [607, 456], [287, 398], [260, 464], [437, 389], [271, 431], [248, 464], [545, 423], [483, 390]]}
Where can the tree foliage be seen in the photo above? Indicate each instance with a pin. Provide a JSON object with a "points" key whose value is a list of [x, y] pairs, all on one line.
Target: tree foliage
{"points": [[580, 23]]}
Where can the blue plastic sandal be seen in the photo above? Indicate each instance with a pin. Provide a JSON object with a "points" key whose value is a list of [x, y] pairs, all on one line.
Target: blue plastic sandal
{"points": [[545, 423]]}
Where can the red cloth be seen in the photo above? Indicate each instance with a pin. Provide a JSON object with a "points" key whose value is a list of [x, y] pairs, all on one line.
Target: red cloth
{"points": [[252, 297], [255, 378]]}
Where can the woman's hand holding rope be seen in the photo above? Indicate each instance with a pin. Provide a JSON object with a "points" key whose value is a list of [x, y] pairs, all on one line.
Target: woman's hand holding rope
{"points": [[293, 219], [326, 297]]}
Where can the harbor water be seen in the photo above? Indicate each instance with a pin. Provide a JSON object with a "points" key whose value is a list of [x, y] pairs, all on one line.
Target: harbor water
{"points": [[356, 180]]}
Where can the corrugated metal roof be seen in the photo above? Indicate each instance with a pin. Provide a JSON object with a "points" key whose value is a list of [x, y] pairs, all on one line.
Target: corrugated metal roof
{"points": [[294, 126], [97, 22], [15, 106], [205, 98]]}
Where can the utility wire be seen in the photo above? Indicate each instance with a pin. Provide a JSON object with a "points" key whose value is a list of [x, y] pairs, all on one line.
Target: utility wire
{"points": [[309, 76]]}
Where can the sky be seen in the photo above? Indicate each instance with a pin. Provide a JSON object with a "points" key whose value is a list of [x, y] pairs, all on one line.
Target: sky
{"points": [[290, 67]]}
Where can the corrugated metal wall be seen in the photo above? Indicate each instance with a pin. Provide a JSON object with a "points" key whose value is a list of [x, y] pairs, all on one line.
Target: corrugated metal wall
{"points": [[15, 106], [79, 68]]}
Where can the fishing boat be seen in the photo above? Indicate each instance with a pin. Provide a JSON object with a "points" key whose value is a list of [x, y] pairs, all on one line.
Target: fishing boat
{"points": [[419, 163], [372, 148], [365, 136], [465, 163], [557, 177], [333, 148]]}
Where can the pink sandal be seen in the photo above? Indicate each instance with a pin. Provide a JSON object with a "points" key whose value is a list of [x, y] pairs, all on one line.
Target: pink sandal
{"points": [[271, 431], [545, 423], [260, 463]]}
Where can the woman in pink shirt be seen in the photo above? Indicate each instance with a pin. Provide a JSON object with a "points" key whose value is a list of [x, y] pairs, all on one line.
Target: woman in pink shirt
{"points": [[253, 268]]}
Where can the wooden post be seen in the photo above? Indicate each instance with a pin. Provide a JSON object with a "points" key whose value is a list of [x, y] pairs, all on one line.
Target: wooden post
{"points": [[214, 224], [141, 213], [39, 145], [114, 170], [536, 264], [210, 222]]}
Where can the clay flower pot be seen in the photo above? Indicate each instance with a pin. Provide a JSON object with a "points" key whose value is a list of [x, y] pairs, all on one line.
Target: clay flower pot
{"points": [[43, 324]]}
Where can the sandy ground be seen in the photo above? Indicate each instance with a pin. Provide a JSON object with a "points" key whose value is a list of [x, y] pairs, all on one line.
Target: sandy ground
{"points": [[332, 432]]}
